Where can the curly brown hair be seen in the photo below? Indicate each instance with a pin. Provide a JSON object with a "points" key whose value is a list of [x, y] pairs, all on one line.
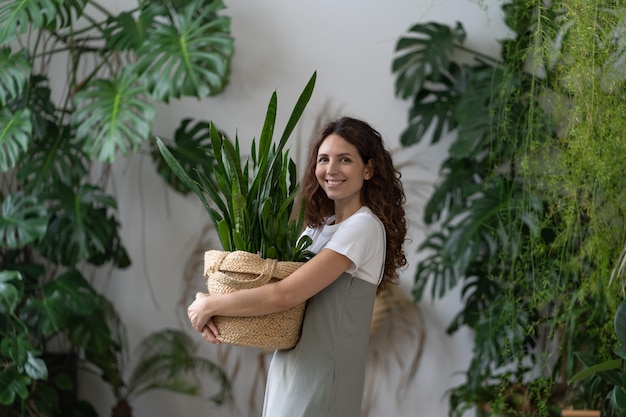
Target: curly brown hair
{"points": [[383, 193]]}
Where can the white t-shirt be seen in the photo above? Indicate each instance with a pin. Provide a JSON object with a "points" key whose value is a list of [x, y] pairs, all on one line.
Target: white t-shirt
{"points": [[360, 237]]}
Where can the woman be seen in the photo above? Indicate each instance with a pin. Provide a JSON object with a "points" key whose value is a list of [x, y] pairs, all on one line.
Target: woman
{"points": [[355, 216]]}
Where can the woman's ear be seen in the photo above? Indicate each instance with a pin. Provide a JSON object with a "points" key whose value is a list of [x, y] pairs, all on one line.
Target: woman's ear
{"points": [[369, 170]]}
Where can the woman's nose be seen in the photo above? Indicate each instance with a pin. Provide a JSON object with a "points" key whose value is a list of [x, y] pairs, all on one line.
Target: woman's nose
{"points": [[331, 167]]}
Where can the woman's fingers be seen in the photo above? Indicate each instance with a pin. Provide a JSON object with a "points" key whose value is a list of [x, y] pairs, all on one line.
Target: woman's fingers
{"points": [[211, 325], [209, 335]]}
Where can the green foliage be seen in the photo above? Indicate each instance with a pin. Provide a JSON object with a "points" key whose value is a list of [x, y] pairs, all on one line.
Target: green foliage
{"points": [[167, 361], [113, 115], [78, 90], [254, 201], [189, 54], [612, 371], [529, 208], [192, 150]]}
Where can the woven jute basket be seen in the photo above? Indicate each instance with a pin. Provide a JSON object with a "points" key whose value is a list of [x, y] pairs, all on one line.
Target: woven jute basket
{"points": [[228, 272]]}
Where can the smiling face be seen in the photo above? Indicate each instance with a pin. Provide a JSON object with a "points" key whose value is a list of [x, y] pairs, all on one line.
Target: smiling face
{"points": [[340, 172]]}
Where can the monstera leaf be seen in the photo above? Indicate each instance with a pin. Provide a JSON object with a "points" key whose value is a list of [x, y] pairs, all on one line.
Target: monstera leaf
{"points": [[189, 57], [486, 225], [424, 53], [123, 32], [113, 115], [22, 220], [16, 17], [80, 225], [14, 70], [53, 159], [15, 131]]}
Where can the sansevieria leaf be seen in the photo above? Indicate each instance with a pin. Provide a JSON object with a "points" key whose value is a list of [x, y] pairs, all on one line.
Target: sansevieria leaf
{"points": [[113, 115], [253, 214], [190, 148]]}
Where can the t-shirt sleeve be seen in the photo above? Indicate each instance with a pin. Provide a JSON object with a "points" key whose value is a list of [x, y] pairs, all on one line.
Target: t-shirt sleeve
{"points": [[358, 238]]}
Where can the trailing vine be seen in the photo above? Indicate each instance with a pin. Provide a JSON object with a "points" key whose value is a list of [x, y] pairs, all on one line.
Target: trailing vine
{"points": [[530, 206]]}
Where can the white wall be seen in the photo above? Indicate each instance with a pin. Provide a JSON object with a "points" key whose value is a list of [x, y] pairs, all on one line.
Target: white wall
{"points": [[279, 43]]}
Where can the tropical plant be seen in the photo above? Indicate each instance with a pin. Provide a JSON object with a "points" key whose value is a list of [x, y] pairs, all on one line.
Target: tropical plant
{"points": [[78, 87], [254, 201], [529, 207], [613, 371], [166, 361]]}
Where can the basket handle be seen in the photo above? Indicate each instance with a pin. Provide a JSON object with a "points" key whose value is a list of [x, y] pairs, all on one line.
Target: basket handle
{"points": [[269, 268]]}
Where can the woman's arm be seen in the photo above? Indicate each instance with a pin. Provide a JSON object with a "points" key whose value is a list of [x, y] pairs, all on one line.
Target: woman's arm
{"points": [[312, 277]]}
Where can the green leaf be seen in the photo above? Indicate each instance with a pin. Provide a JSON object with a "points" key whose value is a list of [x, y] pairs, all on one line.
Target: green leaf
{"points": [[192, 149], [53, 159], [429, 106], [36, 97], [80, 225], [68, 11], [10, 295], [297, 111], [424, 53], [15, 136], [14, 74], [167, 360], [592, 370], [123, 32], [619, 323], [456, 185], [255, 217], [618, 397], [179, 171], [22, 220], [17, 16], [36, 367], [113, 115], [66, 297], [12, 386], [191, 56]]}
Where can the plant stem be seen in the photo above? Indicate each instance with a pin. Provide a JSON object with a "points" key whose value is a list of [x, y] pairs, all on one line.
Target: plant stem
{"points": [[101, 8], [478, 54]]}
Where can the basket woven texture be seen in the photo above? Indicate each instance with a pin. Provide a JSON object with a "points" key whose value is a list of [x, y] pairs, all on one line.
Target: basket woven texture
{"points": [[228, 272]]}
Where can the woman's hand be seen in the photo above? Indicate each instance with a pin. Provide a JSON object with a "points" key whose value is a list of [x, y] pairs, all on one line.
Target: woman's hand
{"points": [[201, 320]]}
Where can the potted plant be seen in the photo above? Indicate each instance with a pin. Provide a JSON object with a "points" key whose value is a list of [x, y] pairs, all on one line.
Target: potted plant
{"points": [[255, 224], [528, 210], [58, 141]]}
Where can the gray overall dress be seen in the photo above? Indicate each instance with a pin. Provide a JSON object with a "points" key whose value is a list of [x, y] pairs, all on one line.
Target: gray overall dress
{"points": [[323, 375]]}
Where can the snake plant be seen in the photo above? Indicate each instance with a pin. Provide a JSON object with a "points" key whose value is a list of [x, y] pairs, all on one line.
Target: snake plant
{"points": [[255, 200]]}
